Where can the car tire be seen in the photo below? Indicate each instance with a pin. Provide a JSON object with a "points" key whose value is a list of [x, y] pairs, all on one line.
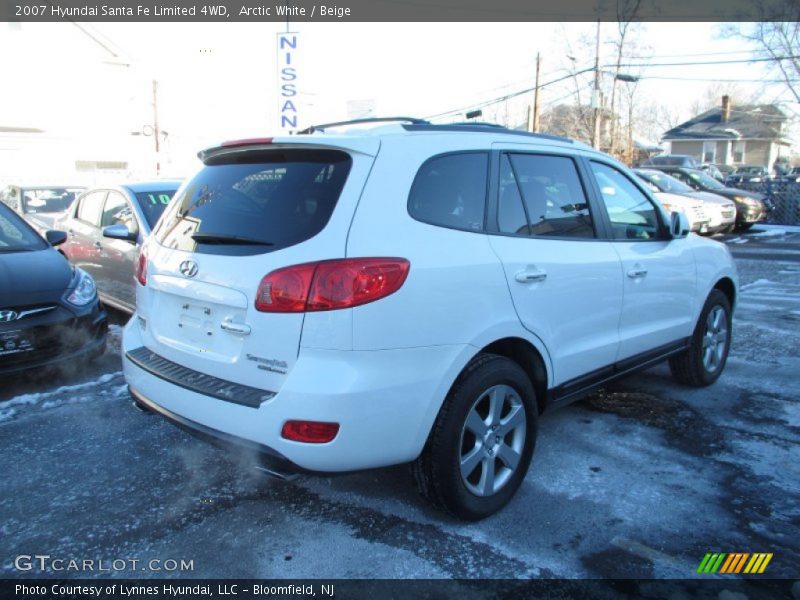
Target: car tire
{"points": [[729, 229], [744, 226], [481, 444], [702, 363]]}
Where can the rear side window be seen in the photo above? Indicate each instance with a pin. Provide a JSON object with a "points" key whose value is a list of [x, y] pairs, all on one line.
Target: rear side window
{"points": [[90, 208], [255, 202], [450, 191], [542, 196]]}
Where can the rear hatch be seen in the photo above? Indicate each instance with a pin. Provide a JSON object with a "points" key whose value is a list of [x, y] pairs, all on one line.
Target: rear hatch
{"points": [[249, 212]]}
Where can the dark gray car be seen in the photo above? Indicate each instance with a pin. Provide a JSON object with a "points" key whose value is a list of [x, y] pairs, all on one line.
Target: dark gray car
{"points": [[106, 227]]}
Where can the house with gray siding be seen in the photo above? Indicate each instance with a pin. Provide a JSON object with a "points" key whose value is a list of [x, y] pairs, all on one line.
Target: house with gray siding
{"points": [[752, 134]]}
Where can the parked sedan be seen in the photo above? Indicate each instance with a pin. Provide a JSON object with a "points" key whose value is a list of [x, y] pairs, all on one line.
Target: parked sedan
{"points": [[40, 205], [49, 311], [750, 206], [748, 174], [721, 211], [792, 176], [693, 208], [106, 228]]}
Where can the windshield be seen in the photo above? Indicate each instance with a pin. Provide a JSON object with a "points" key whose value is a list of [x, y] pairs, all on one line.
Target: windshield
{"points": [[16, 235], [154, 203], [664, 182], [57, 199], [269, 199], [705, 181]]}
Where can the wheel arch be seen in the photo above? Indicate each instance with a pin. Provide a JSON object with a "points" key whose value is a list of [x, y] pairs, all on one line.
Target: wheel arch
{"points": [[727, 287], [526, 355]]}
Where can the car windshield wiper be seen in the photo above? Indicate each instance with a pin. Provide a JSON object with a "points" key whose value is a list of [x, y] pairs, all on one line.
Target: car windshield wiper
{"points": [[213, 238]]}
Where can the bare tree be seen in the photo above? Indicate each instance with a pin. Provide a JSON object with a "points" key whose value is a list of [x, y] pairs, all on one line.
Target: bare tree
{"points": [[627, 11], [712, 97], [776, 38]]}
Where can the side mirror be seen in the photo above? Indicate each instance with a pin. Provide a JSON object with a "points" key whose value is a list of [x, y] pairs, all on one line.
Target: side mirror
{"points": [[120, 232], [679, 225], [54, 237]]}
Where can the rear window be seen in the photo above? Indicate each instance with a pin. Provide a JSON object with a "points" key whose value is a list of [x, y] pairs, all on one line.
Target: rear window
{"points": [[255, 202], [154, 203], [48, 200]]}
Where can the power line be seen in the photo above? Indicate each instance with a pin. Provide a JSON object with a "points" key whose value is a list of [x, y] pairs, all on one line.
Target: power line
{"points": [[697, 63], [506, 97], [729, 52], [714, 79]]}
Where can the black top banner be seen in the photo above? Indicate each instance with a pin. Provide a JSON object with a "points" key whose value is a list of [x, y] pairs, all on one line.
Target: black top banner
{"points": [[398, 10]]}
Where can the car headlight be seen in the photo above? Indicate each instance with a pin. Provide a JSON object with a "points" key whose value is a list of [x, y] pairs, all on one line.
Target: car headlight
{"points": [[670, 208], [84, 291], [748, 201]]}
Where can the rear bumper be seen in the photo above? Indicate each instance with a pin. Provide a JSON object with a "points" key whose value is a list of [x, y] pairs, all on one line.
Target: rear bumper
{"points": [[384, 401]]}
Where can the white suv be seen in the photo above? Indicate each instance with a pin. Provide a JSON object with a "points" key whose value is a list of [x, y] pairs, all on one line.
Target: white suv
{"points": [[414, 293]]}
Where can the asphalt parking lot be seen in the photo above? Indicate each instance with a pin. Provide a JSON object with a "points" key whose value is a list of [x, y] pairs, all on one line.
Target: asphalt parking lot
{"points": [[640, 480]]}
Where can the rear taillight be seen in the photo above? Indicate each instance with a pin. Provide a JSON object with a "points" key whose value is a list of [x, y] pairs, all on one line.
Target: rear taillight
{"points": [[331, 284], [141, 267], [309, 432]]}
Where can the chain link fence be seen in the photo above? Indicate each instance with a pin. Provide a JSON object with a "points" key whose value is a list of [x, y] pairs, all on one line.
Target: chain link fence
{"points": [[785, 196]]}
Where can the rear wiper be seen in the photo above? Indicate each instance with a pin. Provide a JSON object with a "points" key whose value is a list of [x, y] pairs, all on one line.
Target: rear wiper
{"points": [[212, 238]]}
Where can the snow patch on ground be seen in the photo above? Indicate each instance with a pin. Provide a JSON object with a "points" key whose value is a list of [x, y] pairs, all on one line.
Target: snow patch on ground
{"points": [[770, 233], [763, 228], [43, 398], [756, 283]]}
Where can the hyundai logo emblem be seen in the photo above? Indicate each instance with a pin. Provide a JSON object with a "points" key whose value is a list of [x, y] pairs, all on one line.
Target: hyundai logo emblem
{"points": [[8, 315], [188, 268]]}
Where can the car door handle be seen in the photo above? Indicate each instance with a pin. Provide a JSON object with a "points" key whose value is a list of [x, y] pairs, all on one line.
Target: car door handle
{"points": [[233, 327], [637, 272], [530, 276]]}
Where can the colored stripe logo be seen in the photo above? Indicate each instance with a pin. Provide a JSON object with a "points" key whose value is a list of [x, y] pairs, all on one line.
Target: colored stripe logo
{"points": [[734, 562]]}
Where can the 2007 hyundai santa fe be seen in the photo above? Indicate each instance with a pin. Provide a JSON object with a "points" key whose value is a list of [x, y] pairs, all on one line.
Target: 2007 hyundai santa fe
{"points": [[414, 292]]}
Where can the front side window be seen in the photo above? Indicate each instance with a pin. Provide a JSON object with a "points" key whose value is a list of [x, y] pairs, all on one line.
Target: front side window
{"points": [[118, 212], [450, 191], [633, 216], [542, 196]]}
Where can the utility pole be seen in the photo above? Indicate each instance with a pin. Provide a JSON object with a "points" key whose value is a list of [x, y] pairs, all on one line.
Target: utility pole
{"points": [[596, 92], [534, 124], [156, 132]]}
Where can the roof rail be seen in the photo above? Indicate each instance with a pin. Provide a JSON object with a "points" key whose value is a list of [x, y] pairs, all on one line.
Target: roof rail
{"points": [[324, 126], [485, 128]]}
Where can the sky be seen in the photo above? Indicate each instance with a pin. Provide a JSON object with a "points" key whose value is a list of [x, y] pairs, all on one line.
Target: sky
{"points": [[91, 86]]}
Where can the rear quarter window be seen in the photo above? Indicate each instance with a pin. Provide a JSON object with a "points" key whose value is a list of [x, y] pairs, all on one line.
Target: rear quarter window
{"points": [[450, 191]]}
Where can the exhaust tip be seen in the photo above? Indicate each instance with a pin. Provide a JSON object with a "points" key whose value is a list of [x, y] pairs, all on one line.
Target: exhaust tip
{"points": [[281, 475]]}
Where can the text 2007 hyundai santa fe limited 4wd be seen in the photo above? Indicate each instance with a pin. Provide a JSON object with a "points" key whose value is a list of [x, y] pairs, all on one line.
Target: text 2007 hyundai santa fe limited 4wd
{"points": [[414, 292]]}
